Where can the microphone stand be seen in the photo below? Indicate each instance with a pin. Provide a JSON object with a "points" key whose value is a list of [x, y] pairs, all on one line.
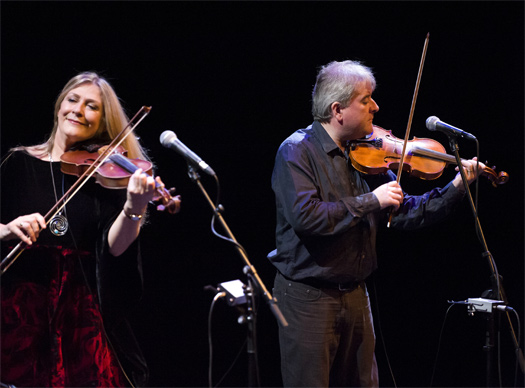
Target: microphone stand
{"points": [[251, 347], [251, 273], [497, 287]]}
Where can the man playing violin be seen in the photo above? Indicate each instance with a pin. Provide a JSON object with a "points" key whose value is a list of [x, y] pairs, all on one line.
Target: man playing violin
{"points": [[327, 219], [66, 298]]}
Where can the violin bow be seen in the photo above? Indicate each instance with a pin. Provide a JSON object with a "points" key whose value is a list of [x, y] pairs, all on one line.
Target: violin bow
{"points": [[21, 246], [410, 116]]}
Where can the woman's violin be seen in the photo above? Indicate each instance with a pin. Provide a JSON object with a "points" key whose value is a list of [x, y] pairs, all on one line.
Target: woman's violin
{"points": [[424, 158], [114, 172]]}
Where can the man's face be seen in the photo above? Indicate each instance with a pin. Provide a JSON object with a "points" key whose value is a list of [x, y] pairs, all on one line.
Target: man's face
{"points": [[357, 117]]}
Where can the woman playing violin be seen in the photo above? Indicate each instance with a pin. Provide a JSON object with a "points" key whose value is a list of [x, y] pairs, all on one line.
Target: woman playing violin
{"points": [[65, 300]]}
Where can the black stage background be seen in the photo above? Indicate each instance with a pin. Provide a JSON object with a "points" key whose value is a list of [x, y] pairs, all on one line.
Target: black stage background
{"points": [[232, 80]]}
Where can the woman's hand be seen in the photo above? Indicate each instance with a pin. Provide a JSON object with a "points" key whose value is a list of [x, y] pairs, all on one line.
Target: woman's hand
{"points": [[141, 190], [27, 228]]}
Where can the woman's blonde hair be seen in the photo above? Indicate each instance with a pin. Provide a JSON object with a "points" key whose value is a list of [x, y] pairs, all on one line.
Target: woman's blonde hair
{"points": [[114, 119]]}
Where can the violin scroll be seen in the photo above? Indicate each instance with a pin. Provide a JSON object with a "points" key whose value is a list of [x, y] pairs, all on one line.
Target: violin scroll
{"points": [[496, 178], [167, 200]]}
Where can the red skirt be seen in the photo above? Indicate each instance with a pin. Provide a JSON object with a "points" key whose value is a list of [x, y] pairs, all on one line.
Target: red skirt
{"points": [[52, 333]]}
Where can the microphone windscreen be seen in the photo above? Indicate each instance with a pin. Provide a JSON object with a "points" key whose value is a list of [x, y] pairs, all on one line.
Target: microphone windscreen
{"points": [[431, 122], [167, 137]]}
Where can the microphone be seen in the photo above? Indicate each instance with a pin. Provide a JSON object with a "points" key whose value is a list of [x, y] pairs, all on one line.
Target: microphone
{"points": [[169, 140], [434, 124]]}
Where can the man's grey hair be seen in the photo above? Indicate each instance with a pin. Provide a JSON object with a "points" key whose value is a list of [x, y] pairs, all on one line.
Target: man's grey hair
{"points": [[338, 81]]}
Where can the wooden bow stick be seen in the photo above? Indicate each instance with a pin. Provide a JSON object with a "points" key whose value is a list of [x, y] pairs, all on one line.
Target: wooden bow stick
{"points": [[410, 116]]}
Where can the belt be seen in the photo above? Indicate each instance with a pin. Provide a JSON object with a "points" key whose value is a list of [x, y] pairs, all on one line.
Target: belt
{"points": [[318, 283]]}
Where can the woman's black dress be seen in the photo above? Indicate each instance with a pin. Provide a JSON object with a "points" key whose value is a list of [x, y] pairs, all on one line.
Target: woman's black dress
{"points": [[65, 299]]}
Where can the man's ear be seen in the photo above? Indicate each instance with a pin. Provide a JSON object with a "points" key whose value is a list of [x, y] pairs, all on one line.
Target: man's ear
{"points": [[336, 110]]}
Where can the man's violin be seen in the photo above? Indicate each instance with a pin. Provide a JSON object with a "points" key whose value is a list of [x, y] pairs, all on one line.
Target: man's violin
{"points": [[424, 158]]}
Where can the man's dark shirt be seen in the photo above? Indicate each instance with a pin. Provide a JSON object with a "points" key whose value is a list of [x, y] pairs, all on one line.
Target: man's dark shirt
{"points": [[327, 215]]}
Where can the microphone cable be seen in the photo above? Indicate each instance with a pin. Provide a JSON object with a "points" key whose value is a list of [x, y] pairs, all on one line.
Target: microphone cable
{"points": [[383, 343]]}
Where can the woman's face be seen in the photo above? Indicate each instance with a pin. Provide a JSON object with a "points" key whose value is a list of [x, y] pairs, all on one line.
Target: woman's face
{"points": [[80, 114]]}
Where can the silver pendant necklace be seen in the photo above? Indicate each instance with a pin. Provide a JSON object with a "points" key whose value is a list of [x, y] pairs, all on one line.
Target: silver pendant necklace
{"points": [[58, 224]]}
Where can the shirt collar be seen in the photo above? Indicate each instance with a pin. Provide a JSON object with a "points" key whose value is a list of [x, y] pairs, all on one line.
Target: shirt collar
{"points": [[324, 138]]}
